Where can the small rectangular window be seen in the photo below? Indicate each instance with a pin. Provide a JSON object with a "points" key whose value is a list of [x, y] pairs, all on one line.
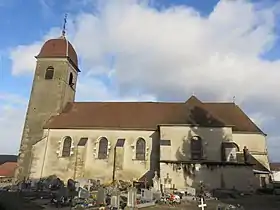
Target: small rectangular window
{"points": [[49, 73], [83, 141], [165, 142], [120, 143]]}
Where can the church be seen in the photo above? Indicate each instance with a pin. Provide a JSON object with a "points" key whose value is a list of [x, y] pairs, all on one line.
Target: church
{"points": [[185, 143]]}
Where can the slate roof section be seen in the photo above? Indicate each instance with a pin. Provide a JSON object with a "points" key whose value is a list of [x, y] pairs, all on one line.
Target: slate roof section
{"points": [[148, 115]]}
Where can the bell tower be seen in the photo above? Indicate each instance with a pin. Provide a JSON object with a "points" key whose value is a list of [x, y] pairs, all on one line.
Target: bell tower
{"points": [[54, 85]]}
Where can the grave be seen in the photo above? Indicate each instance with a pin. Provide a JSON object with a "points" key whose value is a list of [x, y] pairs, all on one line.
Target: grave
{"points": [[101, 196], [83, 193], [202, 205], [131, 197], [146, 195], [167, 182], [190, 191], [115, 198]]}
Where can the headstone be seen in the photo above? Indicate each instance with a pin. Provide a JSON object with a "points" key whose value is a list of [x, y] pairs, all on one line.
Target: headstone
{"points": [[77, 186], [157, 196], [33, 183], [146, 195], [101, 196], [190, 191], [246, 154], [131, 197], [71, 184], [83, 193], [115, 198], [115, 202]]}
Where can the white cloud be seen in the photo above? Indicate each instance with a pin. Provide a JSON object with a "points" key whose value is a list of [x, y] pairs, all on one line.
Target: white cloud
{"points": [[12, 111], [23, 56], [171, 53], [91, 89], [260, 118]]}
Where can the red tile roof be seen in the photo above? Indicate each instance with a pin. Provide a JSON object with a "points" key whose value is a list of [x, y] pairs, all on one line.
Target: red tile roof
{"points": [[8, 169], [59, 48], [148, 115]]}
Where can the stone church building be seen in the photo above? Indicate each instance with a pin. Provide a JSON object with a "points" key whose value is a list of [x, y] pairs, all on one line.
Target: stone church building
{"points": [[186, 142]]}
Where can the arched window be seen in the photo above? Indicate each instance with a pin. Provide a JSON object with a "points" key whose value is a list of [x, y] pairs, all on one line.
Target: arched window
{"points": [[49, 72], [71, 79], [103, 148], [140, 149], [196, 148], [66, 147]]}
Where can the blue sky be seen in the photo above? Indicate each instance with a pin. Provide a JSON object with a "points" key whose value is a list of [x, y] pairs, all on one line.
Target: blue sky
{"points": [[230, 44]]}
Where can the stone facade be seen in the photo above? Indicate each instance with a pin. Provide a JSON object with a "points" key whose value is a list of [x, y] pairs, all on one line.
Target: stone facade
{"points": [[48, 98], [83, 161]]}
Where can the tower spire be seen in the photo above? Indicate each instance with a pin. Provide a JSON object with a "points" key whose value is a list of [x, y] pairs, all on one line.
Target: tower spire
{"points": [[64, 26]]}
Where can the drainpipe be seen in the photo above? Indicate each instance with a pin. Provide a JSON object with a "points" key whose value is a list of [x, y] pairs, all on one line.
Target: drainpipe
{"points": [[114, 164], [76, 162], [45, 152]]}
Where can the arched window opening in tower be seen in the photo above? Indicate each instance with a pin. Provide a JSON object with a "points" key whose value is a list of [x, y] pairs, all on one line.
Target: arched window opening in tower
{"points": [[66, 150], [71, 79], [140, 149], [103, 148], [196, 148], [49, 73]]}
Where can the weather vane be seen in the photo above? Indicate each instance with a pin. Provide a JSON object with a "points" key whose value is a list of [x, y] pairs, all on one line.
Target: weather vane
{"points": [[64, 25]]}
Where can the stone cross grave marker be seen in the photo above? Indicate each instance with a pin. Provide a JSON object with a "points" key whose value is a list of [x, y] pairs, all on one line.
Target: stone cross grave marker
{"points": [[89, 184], [202, 205], [100, 196], [167, 182], [131, 197]]}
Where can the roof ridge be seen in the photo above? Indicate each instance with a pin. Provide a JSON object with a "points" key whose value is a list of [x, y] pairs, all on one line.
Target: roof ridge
{"points": [[123, 102], [211, 102]]}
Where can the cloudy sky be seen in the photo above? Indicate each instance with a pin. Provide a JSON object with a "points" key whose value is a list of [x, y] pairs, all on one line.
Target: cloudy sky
{"points": [[160, 50]]}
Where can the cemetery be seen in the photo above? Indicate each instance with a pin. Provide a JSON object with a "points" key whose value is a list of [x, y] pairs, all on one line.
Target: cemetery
{"points": [[51, 193]]}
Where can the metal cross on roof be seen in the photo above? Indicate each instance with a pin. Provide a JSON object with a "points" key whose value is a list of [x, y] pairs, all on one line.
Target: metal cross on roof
{"points": [[64, 25], [202, 205]]}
